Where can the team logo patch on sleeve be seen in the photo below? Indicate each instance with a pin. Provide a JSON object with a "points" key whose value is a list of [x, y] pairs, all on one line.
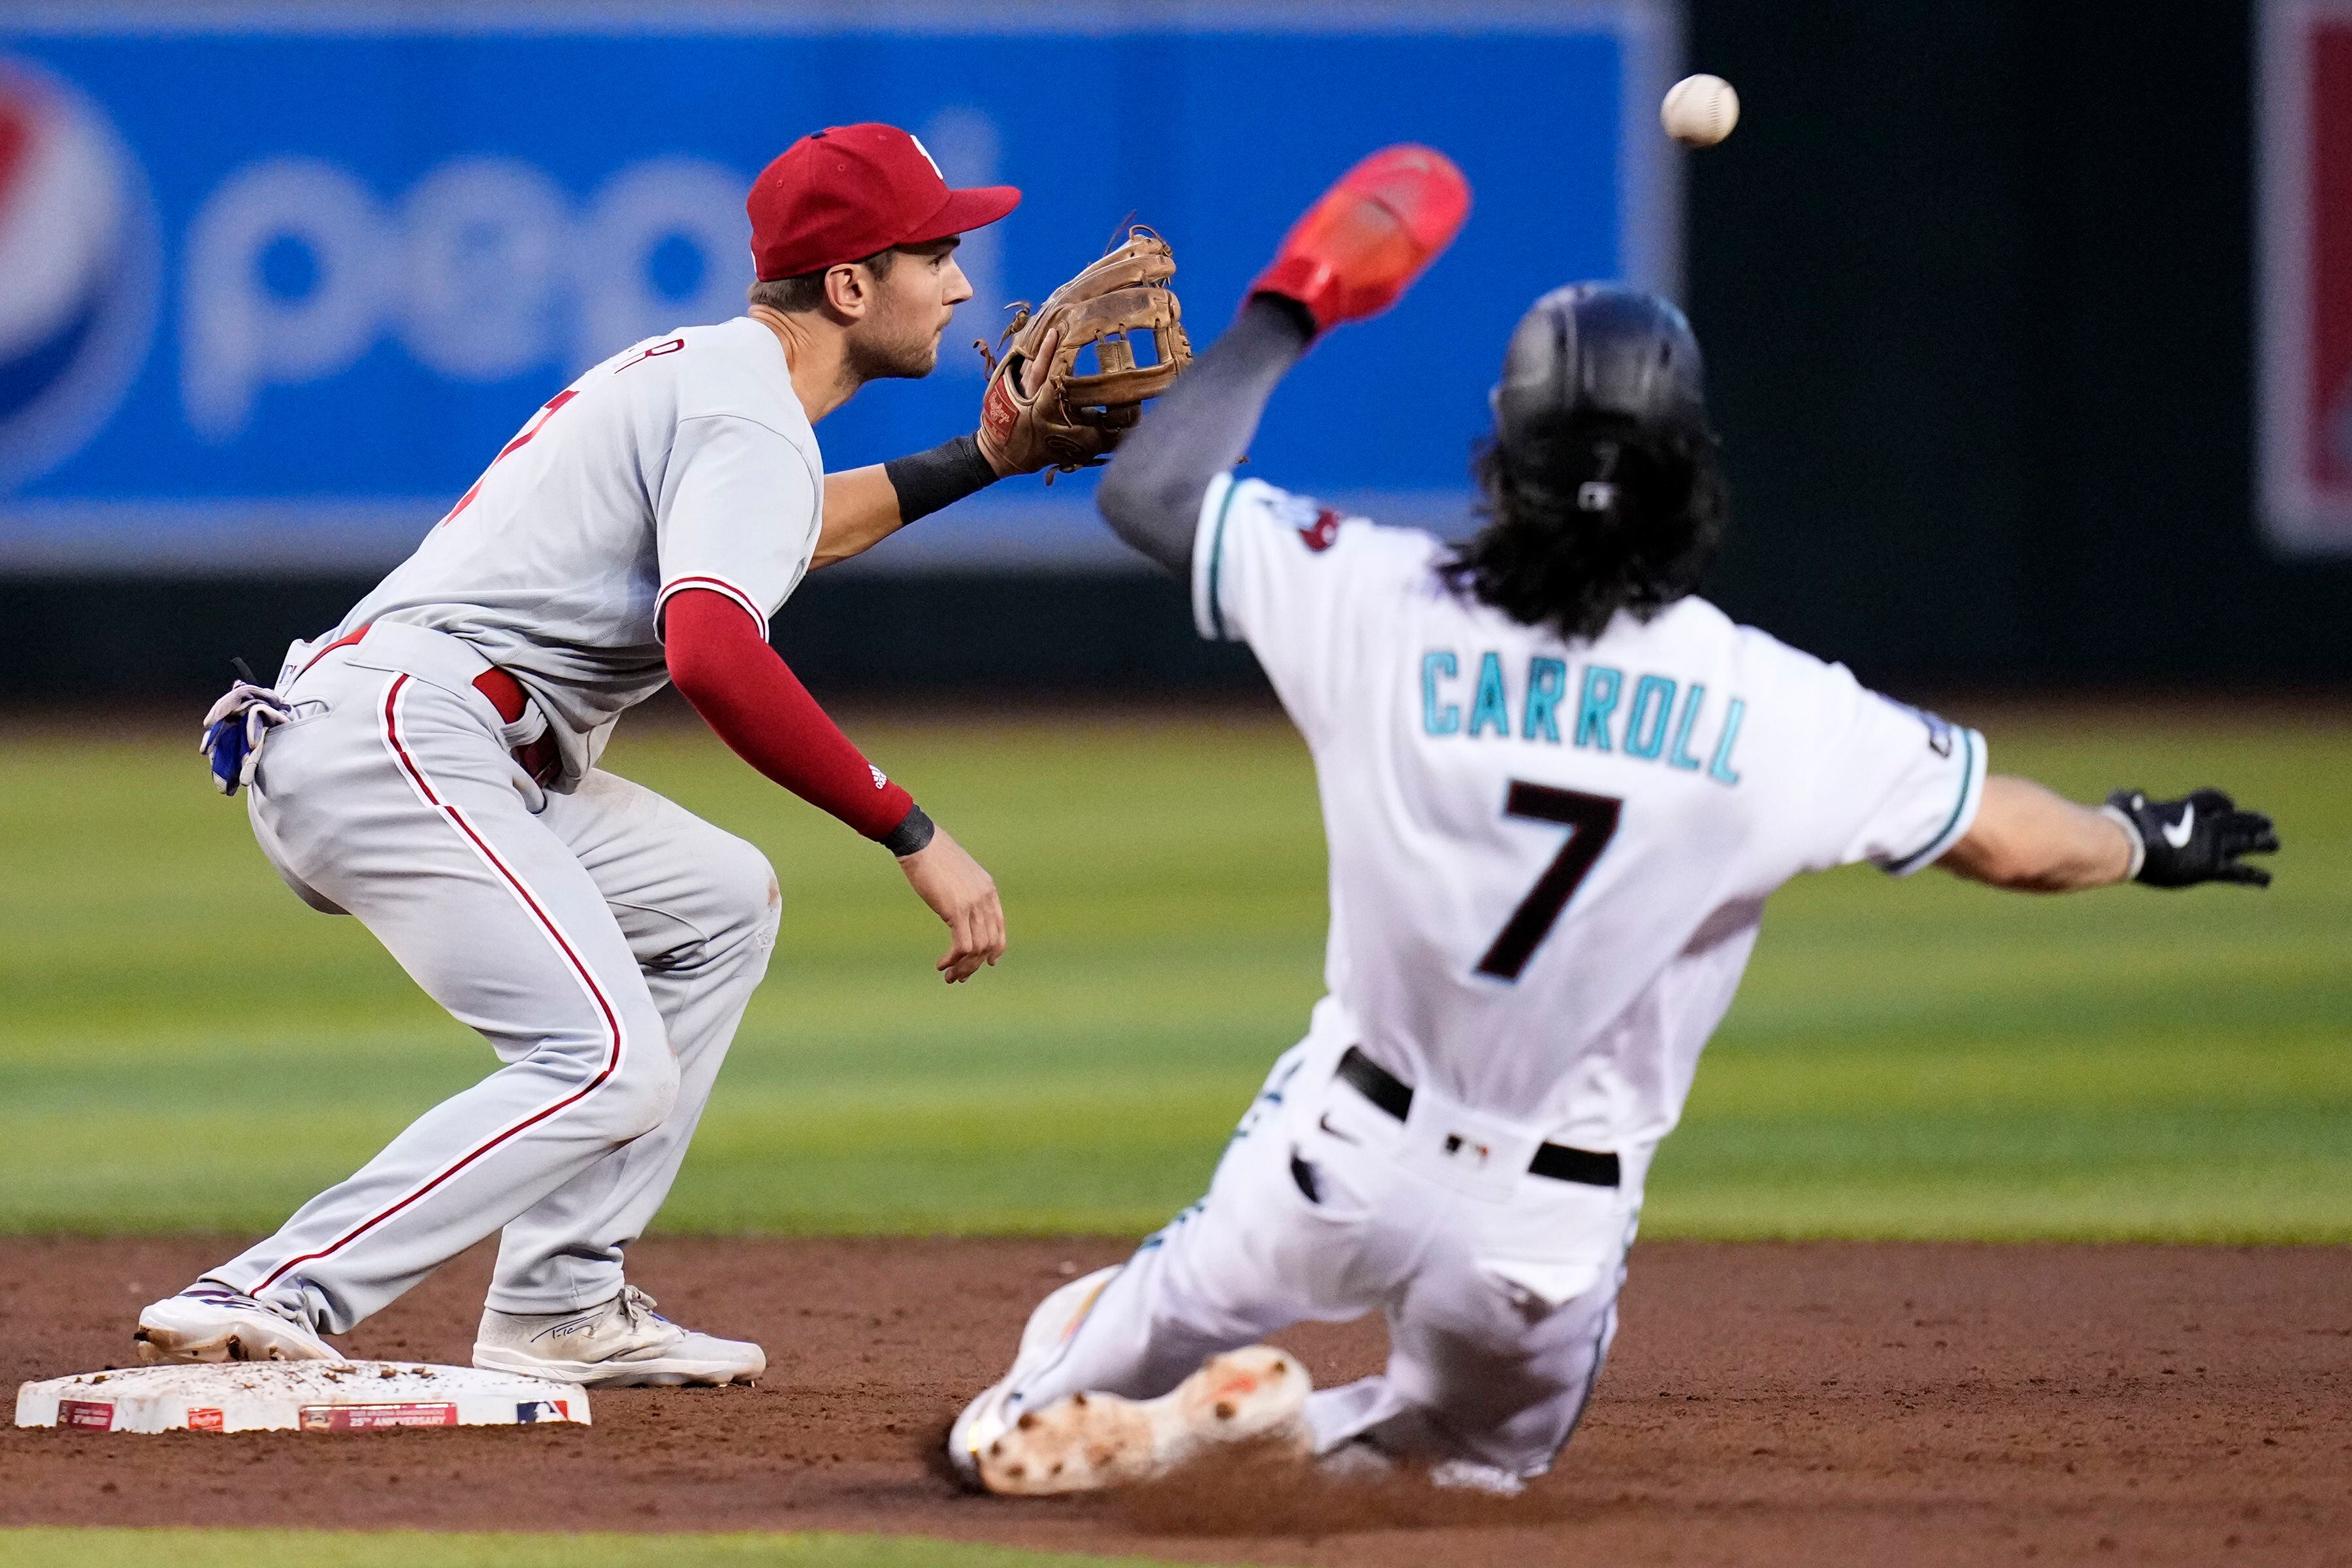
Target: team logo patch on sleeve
{"points": [[1939, 728], [1317, 526]]}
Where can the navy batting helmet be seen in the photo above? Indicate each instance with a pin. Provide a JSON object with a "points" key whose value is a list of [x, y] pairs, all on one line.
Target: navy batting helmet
{"points": [[1603, 487], [1594, 349]]}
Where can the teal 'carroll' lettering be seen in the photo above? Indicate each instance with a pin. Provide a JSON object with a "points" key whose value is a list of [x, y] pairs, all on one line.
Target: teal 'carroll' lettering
{"points": [[1547, 679], [1490, 712], [1436, 720], [1663, 721], [1599, 700]]}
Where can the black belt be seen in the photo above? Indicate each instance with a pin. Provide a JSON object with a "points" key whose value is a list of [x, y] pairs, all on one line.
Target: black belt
{"points": [[1393, 1094]]}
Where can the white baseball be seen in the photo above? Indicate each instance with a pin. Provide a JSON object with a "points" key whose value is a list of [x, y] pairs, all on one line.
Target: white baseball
{"points": [[1700, 110]]}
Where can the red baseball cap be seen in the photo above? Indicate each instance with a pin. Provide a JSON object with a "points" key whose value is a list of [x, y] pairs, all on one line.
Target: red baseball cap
{"points": [[848, 191]]}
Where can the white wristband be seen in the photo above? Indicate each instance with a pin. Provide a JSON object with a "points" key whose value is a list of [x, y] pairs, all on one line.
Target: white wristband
{"points": [[2131, 831]]}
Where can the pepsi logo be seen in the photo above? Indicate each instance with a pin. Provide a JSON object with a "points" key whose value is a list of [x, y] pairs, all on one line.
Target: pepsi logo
{"points": [[78, 245]]}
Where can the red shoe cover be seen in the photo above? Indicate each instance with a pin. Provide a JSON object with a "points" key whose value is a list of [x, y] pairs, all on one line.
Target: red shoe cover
{"points": [[1369, 235]]}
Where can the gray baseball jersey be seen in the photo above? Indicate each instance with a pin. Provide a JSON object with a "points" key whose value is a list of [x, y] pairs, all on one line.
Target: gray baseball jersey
{"points": [[684, 461], [603, 941]]}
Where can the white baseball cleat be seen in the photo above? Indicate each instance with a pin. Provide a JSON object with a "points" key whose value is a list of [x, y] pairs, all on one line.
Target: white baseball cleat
{"points": [[1090, 1442], [209, 1322], [621, 1344], [1044, 1337]]}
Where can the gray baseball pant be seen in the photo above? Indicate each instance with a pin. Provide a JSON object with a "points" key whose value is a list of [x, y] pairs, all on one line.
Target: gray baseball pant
{"points": [[605, 943]]}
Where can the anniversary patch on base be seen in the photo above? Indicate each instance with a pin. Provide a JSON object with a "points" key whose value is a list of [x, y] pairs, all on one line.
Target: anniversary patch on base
{"points": [[306, 1396], [369, 1418]]}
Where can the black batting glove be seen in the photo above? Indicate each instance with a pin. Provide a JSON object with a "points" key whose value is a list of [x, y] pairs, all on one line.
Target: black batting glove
{"points": [[2180, 842]]}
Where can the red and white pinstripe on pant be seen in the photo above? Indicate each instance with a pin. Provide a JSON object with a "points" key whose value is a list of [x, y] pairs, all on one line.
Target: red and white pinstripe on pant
{"points": [[603, 941]]}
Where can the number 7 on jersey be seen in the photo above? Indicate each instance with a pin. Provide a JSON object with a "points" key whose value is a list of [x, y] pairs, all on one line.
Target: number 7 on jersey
{"points": [[1591, 821]]}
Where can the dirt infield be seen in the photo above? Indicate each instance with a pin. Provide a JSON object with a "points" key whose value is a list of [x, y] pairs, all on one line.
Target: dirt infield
{"points": [[1767, 1405]]}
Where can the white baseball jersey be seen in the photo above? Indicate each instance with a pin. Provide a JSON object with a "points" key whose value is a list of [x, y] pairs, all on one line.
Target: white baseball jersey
{"points": [[1548, 859], [684, 461]]}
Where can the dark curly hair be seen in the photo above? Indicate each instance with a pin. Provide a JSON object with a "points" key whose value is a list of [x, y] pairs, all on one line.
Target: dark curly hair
{"points": [[1610, 515]]}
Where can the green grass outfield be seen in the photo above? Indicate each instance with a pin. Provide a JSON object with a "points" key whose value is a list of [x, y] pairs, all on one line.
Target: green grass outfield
{"points": [[415, 1549], [182, 1046]]}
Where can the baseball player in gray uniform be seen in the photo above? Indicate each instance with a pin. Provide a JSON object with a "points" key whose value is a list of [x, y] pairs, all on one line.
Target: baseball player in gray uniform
{"points": [[430, 767], [1558, 787]]}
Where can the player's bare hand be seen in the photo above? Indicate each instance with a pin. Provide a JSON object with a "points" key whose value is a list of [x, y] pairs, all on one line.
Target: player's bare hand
{"points": [[962, 894]]}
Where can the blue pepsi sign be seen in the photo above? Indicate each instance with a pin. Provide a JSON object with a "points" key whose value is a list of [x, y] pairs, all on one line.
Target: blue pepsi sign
{"points": [[275, 283]]}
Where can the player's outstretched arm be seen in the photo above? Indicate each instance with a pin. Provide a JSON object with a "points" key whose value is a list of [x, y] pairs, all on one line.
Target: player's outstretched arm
{"points": [[1152, 497], [862, 506], [1352, 255], [2030, 840]]}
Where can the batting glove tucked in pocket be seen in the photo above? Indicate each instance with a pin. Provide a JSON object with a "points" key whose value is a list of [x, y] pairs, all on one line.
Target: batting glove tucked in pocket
{"points": [[235, 730]]}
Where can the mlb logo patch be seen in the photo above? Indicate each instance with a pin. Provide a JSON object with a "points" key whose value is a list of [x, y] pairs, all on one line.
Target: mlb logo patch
{"points": [[1939, 728], [535, 1410]]}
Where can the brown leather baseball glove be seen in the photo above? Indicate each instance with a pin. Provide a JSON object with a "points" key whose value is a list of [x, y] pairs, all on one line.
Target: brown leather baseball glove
{"points": [[1068, 420]]}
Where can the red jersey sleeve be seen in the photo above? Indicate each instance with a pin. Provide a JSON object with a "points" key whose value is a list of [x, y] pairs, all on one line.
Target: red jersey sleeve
{"points": [[721, 663]]}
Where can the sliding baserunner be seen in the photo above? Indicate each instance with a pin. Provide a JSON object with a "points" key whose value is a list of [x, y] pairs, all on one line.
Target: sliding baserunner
{"points": [[1558, 788]]}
